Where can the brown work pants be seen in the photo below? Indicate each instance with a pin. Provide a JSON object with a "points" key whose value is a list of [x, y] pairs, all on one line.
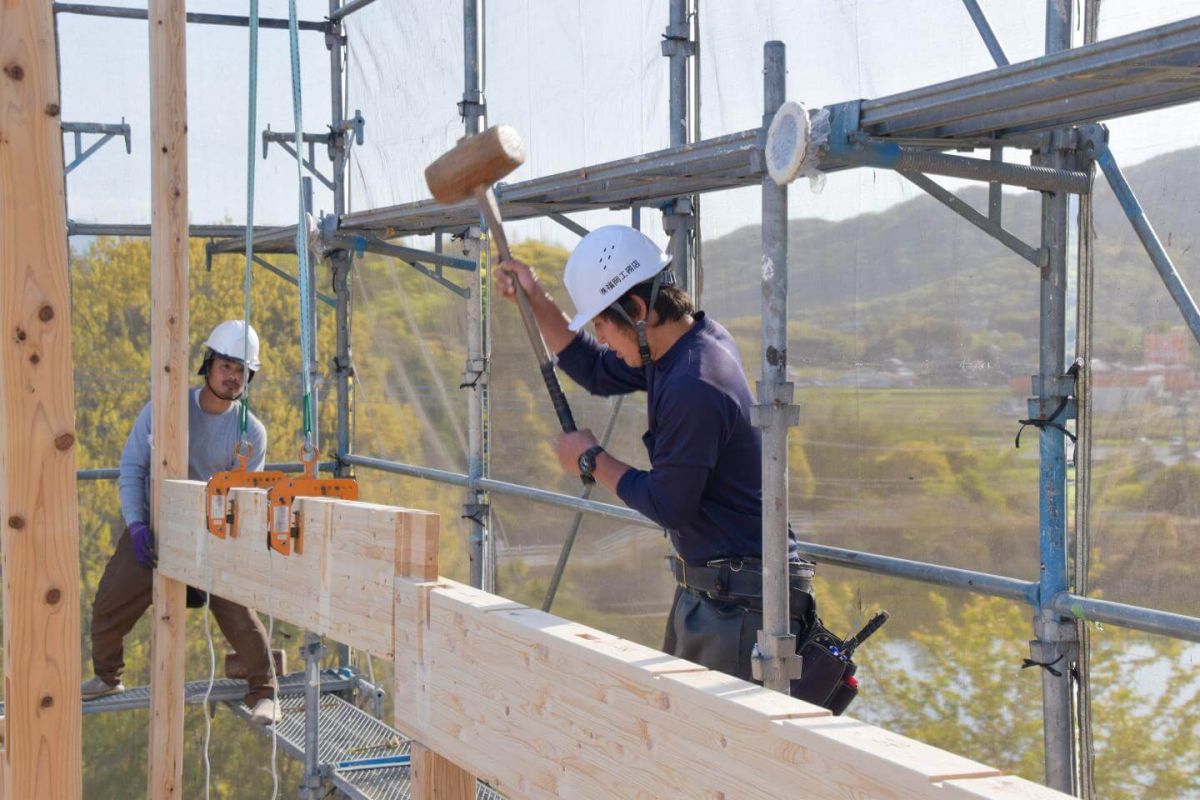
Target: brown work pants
{"points": [[124, 594]]}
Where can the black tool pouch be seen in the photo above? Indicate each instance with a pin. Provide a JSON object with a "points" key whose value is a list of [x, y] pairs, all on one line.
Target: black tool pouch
{"points": [[826, 676]]}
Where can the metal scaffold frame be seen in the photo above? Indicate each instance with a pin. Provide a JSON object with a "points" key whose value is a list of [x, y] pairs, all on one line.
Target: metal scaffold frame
{"points": [[1050, 106]]}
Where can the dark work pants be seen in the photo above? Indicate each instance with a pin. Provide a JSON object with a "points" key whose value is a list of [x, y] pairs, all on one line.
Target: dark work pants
{"points": [[124, 594], [714, 634]]}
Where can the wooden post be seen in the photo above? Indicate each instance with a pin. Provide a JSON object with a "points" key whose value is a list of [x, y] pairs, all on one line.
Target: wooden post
{"points": [[38, 510], [434, 778], [168, 372]]}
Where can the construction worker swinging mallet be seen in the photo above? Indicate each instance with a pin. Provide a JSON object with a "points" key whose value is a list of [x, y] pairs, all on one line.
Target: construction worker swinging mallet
{"points": [[704, 485]]}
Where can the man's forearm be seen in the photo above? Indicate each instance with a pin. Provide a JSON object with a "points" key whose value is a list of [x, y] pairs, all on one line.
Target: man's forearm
{"points": [[552, 322], [609, 470]]}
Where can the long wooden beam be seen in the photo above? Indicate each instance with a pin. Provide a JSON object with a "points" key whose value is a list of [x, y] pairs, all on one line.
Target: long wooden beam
{"points": [[534, 704], [541, 707], [341, 585], [168, 374], [38, 508]]}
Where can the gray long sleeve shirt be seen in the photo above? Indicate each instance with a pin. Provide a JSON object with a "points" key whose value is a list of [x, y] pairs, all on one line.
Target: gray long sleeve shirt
{"points": [[211, 439]]}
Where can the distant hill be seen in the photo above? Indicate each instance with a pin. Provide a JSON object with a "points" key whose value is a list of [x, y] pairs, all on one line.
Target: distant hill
{"points": [[874, 274]]}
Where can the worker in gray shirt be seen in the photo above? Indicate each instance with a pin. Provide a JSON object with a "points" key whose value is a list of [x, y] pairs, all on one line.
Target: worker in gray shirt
{"points": [[125, 590]]}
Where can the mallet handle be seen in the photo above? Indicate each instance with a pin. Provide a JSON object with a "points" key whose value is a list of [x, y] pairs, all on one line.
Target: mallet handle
{"points": [[491, 214]]}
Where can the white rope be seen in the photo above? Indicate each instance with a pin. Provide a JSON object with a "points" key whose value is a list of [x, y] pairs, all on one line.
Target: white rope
{"points": [[212, 678]]}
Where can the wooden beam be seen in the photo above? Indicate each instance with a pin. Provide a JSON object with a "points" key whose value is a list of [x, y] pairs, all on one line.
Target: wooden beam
{"points": [[38, 507], [168, 373], [341, 586], [541, 707], [434, 778], [536, 705]]}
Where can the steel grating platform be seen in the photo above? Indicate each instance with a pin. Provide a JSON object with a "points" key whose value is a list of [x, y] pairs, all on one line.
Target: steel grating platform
{"points": [[224, 690], [348, 733]]}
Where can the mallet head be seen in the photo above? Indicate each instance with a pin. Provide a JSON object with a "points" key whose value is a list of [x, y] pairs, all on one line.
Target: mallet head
{"points": [[475, 161]]}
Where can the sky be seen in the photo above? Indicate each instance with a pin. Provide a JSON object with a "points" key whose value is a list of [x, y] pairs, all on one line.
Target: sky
{"points": [[583, 81]]}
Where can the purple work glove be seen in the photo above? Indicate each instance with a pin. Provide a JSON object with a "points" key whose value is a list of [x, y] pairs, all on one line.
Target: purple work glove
{"points": [[143, 545]]}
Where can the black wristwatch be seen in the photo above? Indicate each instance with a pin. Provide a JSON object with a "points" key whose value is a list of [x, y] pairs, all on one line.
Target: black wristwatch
{"points": [[587, 460]]}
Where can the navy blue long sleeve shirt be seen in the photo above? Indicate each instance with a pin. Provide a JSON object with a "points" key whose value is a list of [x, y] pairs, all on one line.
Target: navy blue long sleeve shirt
{"points": [[704, 485]]}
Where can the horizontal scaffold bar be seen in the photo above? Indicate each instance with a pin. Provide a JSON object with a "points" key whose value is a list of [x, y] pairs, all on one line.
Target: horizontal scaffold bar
{"points": [[1143, 619], [117, 12], [1149, 620], [1154, 68], [112, 473], [198, 231]]}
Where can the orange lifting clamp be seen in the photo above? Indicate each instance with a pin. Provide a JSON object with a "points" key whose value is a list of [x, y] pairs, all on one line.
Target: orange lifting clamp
{"points": [[282, 525], [221, 515]]}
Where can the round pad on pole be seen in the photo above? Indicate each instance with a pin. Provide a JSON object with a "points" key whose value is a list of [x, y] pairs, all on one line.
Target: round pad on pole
{"points": [[787, 142]]}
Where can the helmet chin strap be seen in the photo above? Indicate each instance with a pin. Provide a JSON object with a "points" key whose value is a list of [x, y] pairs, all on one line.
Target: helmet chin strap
{"points": [[664, 278]]}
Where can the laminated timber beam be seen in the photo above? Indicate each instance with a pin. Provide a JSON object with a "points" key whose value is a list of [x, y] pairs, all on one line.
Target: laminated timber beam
{"points": [[39, 523], [536, 705], [340, 586]]}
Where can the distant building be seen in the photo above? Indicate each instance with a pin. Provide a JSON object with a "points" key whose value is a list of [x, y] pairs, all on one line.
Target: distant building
{"points": [[1168, 349]]}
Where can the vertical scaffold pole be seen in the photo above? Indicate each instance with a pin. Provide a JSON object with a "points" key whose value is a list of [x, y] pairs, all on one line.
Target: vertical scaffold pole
{"points": [[678, 219], [340, 261], [481, 548], [775, 412], [313, 651], [1055, 642]]}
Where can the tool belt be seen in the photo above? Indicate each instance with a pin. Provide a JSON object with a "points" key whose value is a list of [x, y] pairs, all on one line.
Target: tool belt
{"points": [[739, 581]]}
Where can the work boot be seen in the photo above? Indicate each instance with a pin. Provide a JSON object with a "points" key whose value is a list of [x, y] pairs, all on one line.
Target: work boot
{"points": [[266, 712], [98, 687]]}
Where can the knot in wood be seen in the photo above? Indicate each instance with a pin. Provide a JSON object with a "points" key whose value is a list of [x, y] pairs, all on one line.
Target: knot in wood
{"points": [[52, 110], [15, 71], [16, 522], [46, 313], [53, 596], [64, 441]]}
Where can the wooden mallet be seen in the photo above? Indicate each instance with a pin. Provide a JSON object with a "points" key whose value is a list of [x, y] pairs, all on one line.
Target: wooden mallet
{"points": [[470, 169]]}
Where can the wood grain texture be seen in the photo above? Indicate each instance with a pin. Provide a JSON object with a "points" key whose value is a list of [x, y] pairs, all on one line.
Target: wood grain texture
{"points": [[435, 778], [341, 585], [38, 508], [168, 371], [541, 707]]}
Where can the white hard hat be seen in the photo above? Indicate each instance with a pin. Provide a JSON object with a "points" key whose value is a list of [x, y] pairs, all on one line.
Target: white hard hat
{"points": [[234, 339], [606, 264]]}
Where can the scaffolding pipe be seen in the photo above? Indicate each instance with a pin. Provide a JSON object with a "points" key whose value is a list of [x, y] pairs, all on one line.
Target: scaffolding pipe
{"points": [[480, 547], [1154, 248], [310, 789], [340, 261], [1055, 641], [195, 231], [1150, 620], [112, 473], [338, 14], [952, 577], [775, 412], [677, 217], [198, 19], [502, 487], [986, 33]]}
